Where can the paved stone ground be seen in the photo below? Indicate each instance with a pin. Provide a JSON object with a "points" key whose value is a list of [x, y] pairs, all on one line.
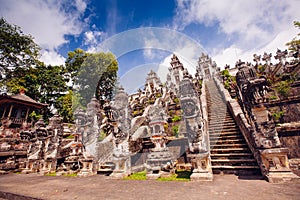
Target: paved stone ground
{"points": [[31, 186]]}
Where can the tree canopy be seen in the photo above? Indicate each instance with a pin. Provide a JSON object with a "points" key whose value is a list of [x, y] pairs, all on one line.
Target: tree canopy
{"points": [[93, 74], [63, 87], [16, 49], [294, 45]]}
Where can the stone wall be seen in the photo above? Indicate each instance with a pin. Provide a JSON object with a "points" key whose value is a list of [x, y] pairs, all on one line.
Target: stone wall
{"points": [[291, 140]]}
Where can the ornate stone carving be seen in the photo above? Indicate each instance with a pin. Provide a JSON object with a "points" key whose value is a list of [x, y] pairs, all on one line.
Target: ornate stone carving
{"points": [[159, 161], [252, 92], [194, 128], [121, 119]]}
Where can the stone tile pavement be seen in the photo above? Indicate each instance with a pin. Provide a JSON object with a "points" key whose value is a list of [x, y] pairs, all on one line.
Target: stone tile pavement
{"points": [[33, 186]]}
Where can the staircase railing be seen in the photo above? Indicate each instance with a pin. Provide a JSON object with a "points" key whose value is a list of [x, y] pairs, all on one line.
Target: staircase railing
{"points": [[264, 157]]}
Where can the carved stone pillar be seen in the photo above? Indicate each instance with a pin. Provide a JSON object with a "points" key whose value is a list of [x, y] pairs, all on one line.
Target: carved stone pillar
{"points": [[121, 119], [195, 129], [159, 160]]}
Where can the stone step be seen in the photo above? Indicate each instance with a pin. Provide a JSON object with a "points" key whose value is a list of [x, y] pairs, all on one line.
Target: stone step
{"points": [[235, 160], [222, 127], [222, 133], [242, 154], [219, 116], [220, 119], [217, 145], [218, 102], [225, 129], [225, 141], [221, 123], [229, 149], [224, 124], [225, 137], [234, 167]]}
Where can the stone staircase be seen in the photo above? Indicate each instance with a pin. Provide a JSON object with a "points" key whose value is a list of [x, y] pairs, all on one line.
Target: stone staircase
{"points": [[104, 156], [229, 151]]}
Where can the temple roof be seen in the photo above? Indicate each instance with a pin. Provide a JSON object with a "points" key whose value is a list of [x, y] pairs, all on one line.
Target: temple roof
{"points": [[21, 99]]}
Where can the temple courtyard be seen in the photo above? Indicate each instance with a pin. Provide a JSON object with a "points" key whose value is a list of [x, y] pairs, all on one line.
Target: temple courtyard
{"points": [[33, 186]]}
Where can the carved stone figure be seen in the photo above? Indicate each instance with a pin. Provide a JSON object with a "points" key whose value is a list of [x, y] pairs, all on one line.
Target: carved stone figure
{"points": [[256, 58]]}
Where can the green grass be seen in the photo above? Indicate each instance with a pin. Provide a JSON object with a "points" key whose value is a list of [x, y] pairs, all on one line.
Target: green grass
{"points": [[51, 174], [70, 175], [137, 176], [178, 176]]}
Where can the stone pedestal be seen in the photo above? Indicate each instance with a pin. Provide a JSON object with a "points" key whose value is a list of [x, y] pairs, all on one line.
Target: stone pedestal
{"points": [[159, 163], [201, 167], [87, 168], [122, 166], [276, 165]]}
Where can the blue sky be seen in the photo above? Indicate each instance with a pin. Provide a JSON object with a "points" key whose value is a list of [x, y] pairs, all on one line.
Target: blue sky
{"points": [[227, 30]]}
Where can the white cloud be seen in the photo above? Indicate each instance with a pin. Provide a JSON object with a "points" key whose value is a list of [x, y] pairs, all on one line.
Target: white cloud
{"points": [[253, 25], [80, 5], [47, 21], [149, 54], [155, 43], [52, 58], [231, 54], [92, 37]]}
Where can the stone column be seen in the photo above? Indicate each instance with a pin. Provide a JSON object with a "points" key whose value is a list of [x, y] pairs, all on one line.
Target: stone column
{"points": [[121, 120], [195, 129]]}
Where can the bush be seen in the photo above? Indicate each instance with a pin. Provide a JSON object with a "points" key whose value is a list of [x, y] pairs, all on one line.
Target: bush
{"points": [[175, 130], [227, 84], [273, 97], [102, 135], [261, 68], [176, 118], [277, 115], [226, 73], [283, 89]]}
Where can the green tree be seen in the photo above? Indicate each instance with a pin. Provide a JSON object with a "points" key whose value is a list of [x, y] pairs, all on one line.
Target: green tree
{"points": [[93, 74], [74, 62], [27, 80], [52, 83], [43, 83], [294, 45], [17, 50], [64, 107]]}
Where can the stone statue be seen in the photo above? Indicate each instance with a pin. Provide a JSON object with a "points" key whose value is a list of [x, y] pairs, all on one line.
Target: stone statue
{"points": [[256, 58], [267, 57], [281, 55]]}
